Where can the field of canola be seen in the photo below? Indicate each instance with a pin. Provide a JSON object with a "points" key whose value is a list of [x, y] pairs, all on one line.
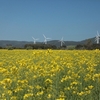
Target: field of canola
{"points": [[49, 75]]}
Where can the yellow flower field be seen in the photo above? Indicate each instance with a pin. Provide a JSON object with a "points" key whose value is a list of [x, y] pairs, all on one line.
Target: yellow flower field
{"points": [[49, 75]]}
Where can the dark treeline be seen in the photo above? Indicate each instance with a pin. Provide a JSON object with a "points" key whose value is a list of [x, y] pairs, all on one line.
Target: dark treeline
{"points": [[39, 46], [34, 46], [88, 47]]}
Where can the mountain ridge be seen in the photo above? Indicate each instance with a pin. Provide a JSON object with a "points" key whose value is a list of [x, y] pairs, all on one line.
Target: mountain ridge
{"points": [[20, 44]]}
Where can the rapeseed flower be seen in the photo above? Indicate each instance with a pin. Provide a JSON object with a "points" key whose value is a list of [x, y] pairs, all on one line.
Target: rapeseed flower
{"points": [[49, 74]]}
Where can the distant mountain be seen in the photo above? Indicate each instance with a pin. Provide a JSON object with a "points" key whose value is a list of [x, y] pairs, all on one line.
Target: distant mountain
{"points": [[68, 43], [4, 43], [20, 44]]}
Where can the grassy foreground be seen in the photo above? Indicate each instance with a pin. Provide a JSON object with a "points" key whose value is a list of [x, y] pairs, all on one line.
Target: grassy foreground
{"points": [[49, 75]]}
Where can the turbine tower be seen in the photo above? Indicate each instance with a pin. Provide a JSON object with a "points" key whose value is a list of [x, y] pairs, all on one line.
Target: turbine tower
{"points": [[34, 40], [45, 39], [61, 41], [97, 38]]}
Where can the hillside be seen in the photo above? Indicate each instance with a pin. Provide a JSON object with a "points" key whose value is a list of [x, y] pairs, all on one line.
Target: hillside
{"points": [[20, 44]]}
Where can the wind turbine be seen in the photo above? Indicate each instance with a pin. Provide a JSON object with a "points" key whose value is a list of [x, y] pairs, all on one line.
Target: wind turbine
{"points": [[45, 39], [97, 38], [34, 40], [61, 41]]}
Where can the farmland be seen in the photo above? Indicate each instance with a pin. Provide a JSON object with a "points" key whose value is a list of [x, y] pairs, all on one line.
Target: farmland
{"points": [[49, 75]]}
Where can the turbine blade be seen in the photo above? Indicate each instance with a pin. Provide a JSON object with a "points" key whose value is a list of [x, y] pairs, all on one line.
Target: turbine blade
{"points": [[44, 36], [63, 41], [36, 39], [62, 38], [48, 38], [33, 38], [98, 33]]}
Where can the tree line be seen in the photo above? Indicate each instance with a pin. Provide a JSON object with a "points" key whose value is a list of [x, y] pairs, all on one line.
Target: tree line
{"points": [[87, 46]]}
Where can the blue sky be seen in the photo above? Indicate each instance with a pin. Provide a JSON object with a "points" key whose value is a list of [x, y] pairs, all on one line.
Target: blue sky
{"points": [[75, 20]]}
